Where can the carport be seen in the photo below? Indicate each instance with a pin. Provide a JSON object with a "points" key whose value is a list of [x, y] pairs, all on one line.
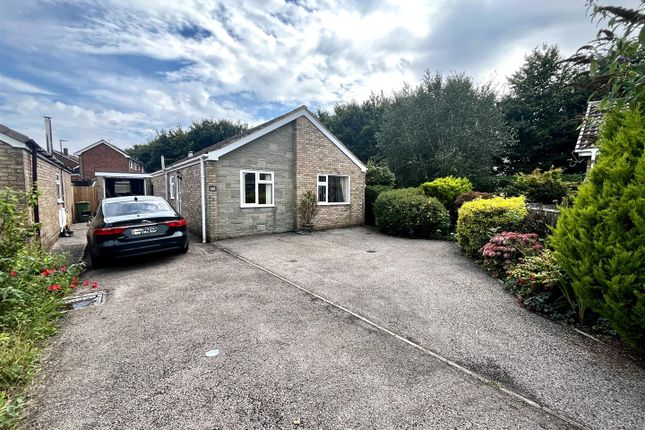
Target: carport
{"points": [[115, 184]]}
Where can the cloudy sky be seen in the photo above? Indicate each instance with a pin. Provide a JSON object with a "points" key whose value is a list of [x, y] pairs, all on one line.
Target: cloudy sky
{"points": [[121, 69]]}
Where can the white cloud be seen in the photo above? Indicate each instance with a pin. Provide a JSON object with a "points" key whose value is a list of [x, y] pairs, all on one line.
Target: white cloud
{"points": [[234, 59]]}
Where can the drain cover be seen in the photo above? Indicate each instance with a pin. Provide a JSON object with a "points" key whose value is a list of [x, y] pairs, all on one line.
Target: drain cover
{"points": [[212, 353], [371, 251], [82, 301]]}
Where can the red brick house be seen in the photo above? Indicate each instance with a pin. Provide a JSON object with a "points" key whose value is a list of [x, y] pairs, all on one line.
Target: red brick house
{"points": [[114, 171], [102, 156]]}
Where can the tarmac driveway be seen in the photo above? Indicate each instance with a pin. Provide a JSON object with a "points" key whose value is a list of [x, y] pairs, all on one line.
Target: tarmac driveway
{"points": [[290, 360], [427, 292]]}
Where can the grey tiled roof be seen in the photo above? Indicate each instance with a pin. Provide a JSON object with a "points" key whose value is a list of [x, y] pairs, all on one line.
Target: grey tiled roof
{"points": [[590, 128]]}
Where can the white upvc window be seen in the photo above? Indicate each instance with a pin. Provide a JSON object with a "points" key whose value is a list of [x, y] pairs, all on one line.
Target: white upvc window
{"points": [[333, 189], [256, 189], [171, 186], [59, 188]]}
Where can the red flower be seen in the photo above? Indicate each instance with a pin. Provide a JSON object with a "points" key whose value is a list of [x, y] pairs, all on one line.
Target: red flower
{"points": [[13, 273], [46, 272], [95, 284], [86, 283], [53, 287], [62, 269], [74, 281], [72, 285]]}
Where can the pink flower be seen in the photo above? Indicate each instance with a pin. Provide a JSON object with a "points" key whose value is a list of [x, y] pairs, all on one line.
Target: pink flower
{"points": [[86, 283], [62, 269], [95, 284], [13, 273]]}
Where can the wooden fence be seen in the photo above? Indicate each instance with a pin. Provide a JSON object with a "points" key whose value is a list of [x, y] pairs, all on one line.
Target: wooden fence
{"points": [[87, 194]]}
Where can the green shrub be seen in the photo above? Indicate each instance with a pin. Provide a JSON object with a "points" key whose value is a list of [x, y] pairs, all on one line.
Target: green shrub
{"points": [[470, 196], [379, 174], [371, 194], [481, 219], [540, 187], [447, 189], [32, 286], [542, 286], [407, 212], [492, 184], [599, 240]]}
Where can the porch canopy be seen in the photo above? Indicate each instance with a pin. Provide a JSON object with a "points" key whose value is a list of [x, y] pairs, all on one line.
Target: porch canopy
{"points": [[117, 184]]}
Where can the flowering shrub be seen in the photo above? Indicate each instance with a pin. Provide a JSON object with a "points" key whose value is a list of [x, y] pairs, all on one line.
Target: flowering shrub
{"points": [[504, 250], [33, 284], [481, 219]]}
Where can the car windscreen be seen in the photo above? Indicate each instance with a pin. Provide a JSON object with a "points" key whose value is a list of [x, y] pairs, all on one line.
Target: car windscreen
{"points": [[122, 209]]}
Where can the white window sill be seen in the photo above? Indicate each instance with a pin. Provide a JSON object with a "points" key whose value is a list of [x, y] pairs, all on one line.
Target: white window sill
{"points": [[256, 206], [333, 204], [60, 201]]}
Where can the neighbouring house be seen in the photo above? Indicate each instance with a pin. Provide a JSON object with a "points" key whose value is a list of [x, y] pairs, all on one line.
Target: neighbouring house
{"points": [[586, 147], [251, 183], [114, 171], [22, 163], [70, 161]]}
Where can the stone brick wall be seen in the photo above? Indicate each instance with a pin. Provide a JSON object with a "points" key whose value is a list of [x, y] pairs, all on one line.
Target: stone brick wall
{"points": [[12, 173], [316, 154], [102, 158], [273, 152], [191, 208]]}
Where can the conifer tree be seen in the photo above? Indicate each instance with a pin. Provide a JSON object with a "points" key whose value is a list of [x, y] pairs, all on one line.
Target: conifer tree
{"points": [[600, 240]]}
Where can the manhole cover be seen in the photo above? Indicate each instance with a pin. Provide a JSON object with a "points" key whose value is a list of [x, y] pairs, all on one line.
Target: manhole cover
{"points": [[212, 353], [82, 301]]}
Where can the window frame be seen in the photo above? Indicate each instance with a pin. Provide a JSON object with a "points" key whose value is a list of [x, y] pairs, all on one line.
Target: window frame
{"points": [[258, 181], [171, 187], [326, 185]]}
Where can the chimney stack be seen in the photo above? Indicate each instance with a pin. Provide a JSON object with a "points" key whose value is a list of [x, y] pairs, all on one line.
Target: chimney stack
{"points": [[65, 152], [48, 134], [190, 153]]}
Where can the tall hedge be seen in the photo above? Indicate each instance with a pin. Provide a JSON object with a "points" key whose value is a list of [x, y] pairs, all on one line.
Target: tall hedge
{"points": [[371, 194], [600, 240], [481, 219], [407, 212]]}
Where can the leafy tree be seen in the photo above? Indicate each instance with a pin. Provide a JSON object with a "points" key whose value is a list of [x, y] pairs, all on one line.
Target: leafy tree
{"points": [[615, 59], [545, 106], [356, 124], [445, 126], [175, 144]]}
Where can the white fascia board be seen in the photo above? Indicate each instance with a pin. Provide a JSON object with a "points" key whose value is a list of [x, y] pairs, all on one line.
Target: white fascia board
{"points": [[122, 175], [215, 155], [11, 141]]}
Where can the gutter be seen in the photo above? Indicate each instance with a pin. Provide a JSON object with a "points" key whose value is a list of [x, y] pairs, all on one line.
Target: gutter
{"points": [[34, 180]]}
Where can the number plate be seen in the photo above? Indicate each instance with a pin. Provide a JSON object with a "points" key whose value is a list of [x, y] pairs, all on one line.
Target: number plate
{"points": [[143, 231]]}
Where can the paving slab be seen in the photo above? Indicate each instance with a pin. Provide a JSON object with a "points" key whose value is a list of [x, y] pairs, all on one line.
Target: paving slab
{"points": [[427, 292], [284, 360]]}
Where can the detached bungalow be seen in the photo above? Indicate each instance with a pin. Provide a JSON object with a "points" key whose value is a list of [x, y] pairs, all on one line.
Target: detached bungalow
{"points": [[251, 183]]}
